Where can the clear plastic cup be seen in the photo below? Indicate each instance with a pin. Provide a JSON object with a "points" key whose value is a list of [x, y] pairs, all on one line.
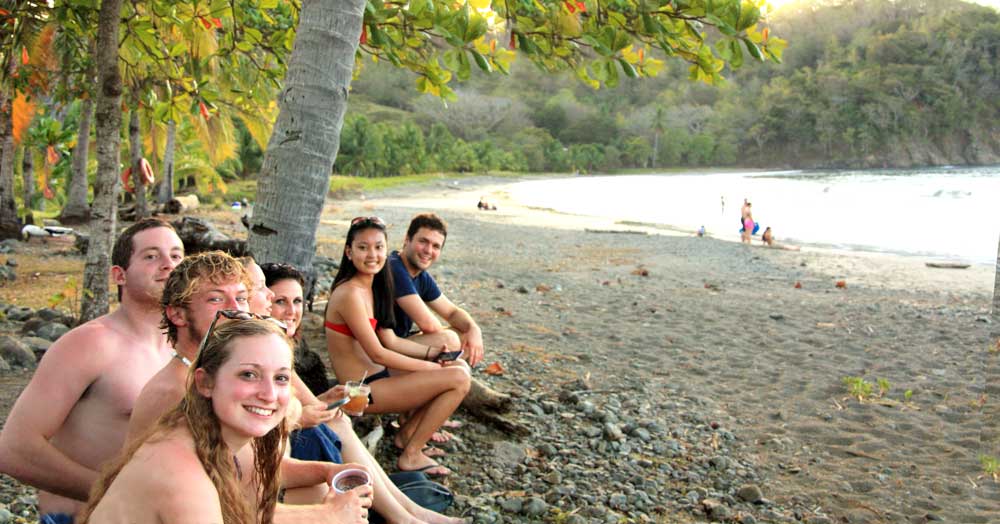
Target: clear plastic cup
{"points": [[349, 479]]}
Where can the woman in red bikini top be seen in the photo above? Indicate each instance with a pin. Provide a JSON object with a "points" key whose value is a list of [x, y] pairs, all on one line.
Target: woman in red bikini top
{"points": [[401, 378]]}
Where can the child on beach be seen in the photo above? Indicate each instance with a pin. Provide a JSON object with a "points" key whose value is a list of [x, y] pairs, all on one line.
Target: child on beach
{"points": [[402, 378]]}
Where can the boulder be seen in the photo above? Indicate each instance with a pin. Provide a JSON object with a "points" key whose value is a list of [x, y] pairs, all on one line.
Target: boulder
{"points": [[52, 331], [16, 353], [37, 345]]}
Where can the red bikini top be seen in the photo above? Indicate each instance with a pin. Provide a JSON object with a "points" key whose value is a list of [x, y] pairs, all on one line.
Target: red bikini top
{"points": [[344, 330]]}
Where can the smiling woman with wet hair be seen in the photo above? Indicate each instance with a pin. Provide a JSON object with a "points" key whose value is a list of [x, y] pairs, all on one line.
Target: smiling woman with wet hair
{"points": [[184, 469]]}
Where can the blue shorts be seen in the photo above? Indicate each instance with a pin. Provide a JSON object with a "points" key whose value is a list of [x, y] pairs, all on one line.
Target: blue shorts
{"points": [[318, 443], [56, 518]]}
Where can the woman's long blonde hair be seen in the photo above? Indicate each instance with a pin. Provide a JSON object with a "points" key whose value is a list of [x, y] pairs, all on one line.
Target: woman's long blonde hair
{"points": [[195, 411]]}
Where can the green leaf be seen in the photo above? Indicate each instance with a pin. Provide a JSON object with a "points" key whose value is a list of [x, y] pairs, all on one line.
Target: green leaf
{"points": [[481, 61], [753, 49], [268, 4], [628, 69], [612, 80], [464, 69]]}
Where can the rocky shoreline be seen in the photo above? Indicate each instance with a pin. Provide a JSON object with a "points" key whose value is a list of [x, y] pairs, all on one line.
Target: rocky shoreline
{"points": [[682, 379]]}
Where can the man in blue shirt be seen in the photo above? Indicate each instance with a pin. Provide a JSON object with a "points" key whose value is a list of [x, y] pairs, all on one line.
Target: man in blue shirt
{"points": [[418, 296]]}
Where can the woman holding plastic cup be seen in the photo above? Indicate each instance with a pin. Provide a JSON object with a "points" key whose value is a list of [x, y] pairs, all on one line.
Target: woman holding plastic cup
{"points": [[186, 467], [361, 301]]}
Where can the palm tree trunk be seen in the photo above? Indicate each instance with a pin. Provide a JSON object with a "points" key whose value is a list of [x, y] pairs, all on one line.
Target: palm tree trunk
{"points": [[76, 209], [138, 180], [10, 226], [295, 175], [108, 117], [166, 192], [28, 180]]}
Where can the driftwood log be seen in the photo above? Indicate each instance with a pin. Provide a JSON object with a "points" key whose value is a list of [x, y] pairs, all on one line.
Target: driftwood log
{"points": [[181, 204], [489, 405], [199, 235]]}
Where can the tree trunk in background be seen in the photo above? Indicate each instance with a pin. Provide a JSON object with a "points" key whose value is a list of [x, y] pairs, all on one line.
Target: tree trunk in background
{"points": [[656, 149], [10, 226], [166, 192], [990, 430], [138, 180], [295, 176], [28, 183], [76, 209], [108, 118]]}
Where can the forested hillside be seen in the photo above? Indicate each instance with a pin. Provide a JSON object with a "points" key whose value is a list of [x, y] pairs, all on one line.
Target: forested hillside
{"points": [[870, 83]]}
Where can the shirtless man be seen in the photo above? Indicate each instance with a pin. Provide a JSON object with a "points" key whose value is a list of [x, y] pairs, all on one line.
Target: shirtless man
{"points": [[73, 415], [418, 296]]}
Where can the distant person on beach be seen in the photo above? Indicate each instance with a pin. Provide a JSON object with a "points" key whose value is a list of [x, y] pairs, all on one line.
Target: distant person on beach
{"points": [[723, 197], [72, 416], [484, 205], [748, 223], [767, 237], [701, 231], [404, 375], [186, 467]]}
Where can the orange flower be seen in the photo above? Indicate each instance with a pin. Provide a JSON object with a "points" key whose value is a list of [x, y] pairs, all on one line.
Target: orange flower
{"points": [[24, 55]]}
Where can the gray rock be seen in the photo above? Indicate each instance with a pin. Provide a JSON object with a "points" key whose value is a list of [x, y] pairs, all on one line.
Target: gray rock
{"points": [[19, 313], [16, 353], [716, 510], [535, 507], [511, 505], [4, 366], [612, 432], [11, 261], [31, 325], [37, 345], [52, 331], [618, 501], [51, 314], [7, 273], [818, 519], [643, 434], [508, 453], [750, 493], [747, 518], [777, 316], [5, 516]]}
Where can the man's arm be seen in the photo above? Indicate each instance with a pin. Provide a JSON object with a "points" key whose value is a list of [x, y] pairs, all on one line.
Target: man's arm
{"points": [[461, 321], [70, 366], [417, 310]]}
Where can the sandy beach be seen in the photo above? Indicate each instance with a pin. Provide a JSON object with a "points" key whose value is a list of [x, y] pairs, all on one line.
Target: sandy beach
{"points": [[724, 324], [666, 377]]}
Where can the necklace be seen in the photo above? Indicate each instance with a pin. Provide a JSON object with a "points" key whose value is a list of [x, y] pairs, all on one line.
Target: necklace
{"points": [[182, 358]]}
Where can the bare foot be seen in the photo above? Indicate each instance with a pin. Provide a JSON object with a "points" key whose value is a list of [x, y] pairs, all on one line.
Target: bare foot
{"points": [[452, 424], [441, 436], [422, 462]]}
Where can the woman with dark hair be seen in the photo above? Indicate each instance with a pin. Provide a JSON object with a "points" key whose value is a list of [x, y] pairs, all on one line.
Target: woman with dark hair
{"points": [[185, 468], [362, 299]]}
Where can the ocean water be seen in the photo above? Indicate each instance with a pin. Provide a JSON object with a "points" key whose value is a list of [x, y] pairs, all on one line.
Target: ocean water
{"points": [[941, 213]]}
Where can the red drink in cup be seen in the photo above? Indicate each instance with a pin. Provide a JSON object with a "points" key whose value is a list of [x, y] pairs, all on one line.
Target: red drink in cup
{"points": [[349, 479]]}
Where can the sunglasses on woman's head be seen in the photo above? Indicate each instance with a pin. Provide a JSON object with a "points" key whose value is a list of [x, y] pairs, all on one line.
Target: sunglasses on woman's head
{"points": [[374, 220], [235, 314]]}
